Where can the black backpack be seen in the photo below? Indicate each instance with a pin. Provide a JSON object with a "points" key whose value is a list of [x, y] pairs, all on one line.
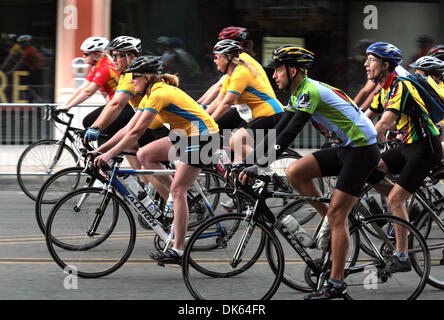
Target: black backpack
{"points": [[428, 90]]}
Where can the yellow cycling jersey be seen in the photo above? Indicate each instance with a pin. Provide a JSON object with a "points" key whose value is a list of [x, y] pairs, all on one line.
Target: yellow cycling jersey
{"points": [[253, 91], [256, 65], [179, 110], [396, 96], [126, 86], [157, 122]]}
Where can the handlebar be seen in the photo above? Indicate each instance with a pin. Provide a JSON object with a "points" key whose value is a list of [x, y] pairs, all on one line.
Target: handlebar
{"points": [[51, 113]]}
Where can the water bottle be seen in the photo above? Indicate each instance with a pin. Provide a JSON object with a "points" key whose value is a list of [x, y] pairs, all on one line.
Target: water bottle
{"points": [[295, 228], [324, 235], [132, 184], [223, 157], [151, 206], [168, 211]]}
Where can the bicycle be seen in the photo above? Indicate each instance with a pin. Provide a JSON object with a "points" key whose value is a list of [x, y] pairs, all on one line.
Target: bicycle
{"points": [[91, 231], [258, 229], [73, 178], [44, 157]]}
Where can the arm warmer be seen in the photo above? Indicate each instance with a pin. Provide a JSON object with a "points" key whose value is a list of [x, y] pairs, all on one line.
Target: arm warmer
{"points": [[287, 129]]}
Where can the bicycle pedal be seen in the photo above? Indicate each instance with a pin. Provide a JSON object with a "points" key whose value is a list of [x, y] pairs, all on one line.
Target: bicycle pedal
{"points": [[161, 264]]}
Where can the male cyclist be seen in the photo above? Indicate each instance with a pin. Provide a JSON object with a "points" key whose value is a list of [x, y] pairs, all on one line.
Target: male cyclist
{"points": [[420, 149], [353, 161]]}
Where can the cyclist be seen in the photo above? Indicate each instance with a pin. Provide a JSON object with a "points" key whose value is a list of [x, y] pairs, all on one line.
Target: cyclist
{"points": [[254, 98], [420, 149], [231, 119], [352, 161], [103, 75], [191, 130], [122, 107]]}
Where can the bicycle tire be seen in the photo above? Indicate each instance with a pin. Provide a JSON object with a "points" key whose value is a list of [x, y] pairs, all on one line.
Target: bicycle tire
{"points": [[434, 235], [243, 281], [59, 184], [373, 282], [114, 246], [299, 276], [41, 164]]}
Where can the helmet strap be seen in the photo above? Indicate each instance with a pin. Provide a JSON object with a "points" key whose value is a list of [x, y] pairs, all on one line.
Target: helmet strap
{"points": [[228, 64], [290, 79]]}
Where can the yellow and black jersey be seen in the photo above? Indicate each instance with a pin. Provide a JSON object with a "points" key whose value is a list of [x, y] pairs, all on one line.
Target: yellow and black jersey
{"points": [[397, 96]]}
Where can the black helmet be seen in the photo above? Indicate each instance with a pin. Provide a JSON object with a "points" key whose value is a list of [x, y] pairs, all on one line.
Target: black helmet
{"points": [[146, 64], [228, 46], [292, 56], [430, 65], [125, 44]]}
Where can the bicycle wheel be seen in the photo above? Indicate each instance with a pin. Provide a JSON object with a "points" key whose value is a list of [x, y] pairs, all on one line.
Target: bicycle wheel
{"points": [[297, 274], [89, 253], [39, 161], [432, 228], [58, 185], [280, 182], [368, 278], [251, 278], [201, 210]]}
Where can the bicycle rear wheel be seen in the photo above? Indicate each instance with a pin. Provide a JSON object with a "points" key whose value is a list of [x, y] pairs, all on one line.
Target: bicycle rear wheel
{"points": [[369, 279], [432, 229], [39, 161], [211, 274], [297, 274], [75, 247]]}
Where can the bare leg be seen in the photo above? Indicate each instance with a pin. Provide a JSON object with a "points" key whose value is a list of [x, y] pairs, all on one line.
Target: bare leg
{"points": [[300, 174]]}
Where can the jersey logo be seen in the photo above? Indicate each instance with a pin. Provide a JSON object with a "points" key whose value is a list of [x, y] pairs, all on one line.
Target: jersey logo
{"points": [[304, 101]]}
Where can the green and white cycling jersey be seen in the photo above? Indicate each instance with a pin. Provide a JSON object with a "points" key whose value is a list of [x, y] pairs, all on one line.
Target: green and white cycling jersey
{"points": [[334, 110]]}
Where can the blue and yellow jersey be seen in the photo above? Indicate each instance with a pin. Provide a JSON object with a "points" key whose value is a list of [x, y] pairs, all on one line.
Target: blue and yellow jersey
{"points": [[157, 122], [253, 91], [179, 110], [126, 86], [396, 96]]}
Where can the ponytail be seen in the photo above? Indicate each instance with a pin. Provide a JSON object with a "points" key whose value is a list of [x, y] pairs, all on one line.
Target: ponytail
{"points": [[244, 63], [170, 79]]}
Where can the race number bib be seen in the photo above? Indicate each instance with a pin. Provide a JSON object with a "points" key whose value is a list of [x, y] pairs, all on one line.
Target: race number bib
{"points": [[244, 112]]}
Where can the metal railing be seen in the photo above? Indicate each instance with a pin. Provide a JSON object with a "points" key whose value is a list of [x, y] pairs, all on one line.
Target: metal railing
{"points": [[25, 123]]}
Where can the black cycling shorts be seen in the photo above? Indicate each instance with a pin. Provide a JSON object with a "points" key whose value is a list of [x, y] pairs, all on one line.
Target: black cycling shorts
{"points": [[121, 121], [413, 162], [197, 151], [351, 165], [152, 135]]}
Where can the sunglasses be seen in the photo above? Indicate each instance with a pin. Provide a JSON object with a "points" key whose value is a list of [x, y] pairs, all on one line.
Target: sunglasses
{"points": [[117, 56], [86, 54], [135, 76]]}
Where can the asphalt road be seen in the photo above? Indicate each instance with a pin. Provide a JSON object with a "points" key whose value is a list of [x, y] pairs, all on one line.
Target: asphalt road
{"points": [[27, 271]]}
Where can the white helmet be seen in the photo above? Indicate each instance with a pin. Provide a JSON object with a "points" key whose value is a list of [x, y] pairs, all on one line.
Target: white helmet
{"points": [[94, 44]]}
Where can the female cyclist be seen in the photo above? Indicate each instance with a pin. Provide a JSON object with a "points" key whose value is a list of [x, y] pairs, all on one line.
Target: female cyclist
{"points": [[255, 100], [191, 129]]}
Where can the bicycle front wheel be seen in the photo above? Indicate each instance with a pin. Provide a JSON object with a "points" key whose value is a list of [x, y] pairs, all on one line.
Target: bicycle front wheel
{"points": [[39, 161], [90, 232], [57, 186], [370, 279], [217, 274]]}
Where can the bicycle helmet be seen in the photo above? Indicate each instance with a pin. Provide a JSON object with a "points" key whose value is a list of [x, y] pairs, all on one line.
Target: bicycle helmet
{"points": [[430, 65], [146, 64], [26, 38], [228, 47], [234, 33], [437, 52], [125, 44], [386, 51], [292, 56], [94, 44]]}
